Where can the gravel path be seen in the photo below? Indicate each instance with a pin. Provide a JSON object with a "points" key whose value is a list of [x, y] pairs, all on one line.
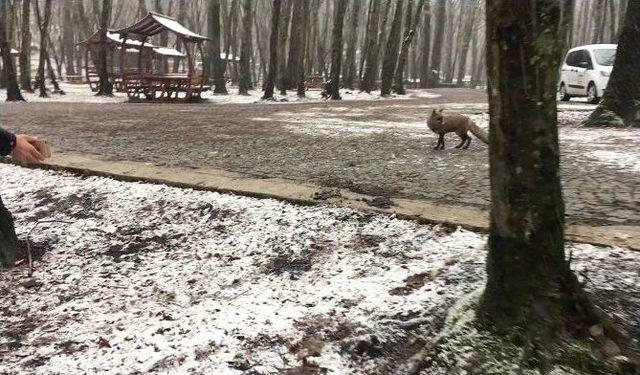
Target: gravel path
{"points": [[378, 147]]}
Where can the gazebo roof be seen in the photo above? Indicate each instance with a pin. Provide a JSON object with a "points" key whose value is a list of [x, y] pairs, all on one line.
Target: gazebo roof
{"points": [[114, 38], [168, 52], [155, 23]]}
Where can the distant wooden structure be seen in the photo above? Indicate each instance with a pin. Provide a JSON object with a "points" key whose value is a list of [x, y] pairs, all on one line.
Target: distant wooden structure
{"points": [[114, 44], [149, 80]]}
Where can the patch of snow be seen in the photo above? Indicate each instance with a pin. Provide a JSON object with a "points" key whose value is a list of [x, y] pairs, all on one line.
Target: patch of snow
{"points": [[154, 278]]}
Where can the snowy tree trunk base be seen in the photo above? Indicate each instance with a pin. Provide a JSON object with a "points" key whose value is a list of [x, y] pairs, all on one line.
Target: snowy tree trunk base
{"points": [[8, 238]]}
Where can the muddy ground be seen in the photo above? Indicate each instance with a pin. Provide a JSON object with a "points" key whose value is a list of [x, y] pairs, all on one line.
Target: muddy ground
{"points": [[378, 147]]}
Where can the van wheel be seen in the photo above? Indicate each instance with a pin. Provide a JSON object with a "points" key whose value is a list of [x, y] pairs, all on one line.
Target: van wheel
{"points": [[562, 93], [592, 94]]}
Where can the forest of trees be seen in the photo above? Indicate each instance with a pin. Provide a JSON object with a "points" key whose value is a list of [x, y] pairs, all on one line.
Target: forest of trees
{"points": [[384, 44]]}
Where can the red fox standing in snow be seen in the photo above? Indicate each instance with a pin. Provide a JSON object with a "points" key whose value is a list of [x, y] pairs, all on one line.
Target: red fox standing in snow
{"points": [[459, 124]]}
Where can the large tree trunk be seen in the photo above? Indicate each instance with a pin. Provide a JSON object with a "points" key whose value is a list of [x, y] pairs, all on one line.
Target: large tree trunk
{"points": [[349, 71], [296, 48], [105, 87], [245, 52], [391, 51], [67, 38], [336, 49], [13, 90], [217, 65], [426, 47], [620, 105], [25, 47], [8, 239], [283, 37], [410, 29], [43, 26], [367, 84], [528, 283], [436, 53], [270, 82]]}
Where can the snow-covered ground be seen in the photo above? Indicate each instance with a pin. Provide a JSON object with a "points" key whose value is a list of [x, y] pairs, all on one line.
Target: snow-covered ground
{"points": [[80, 93], [154, 278]]}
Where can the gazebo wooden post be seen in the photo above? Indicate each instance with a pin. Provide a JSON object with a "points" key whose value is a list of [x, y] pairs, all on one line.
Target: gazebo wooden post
{"points": [[205, 67], [190, 67], [86, 64], [123, 54]]}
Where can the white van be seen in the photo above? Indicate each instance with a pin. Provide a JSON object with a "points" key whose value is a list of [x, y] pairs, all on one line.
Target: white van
{"points": [[585, 71]]}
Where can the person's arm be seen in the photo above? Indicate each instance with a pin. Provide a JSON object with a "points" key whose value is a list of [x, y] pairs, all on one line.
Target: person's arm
{"points": [[7, 142], [19, 146]]}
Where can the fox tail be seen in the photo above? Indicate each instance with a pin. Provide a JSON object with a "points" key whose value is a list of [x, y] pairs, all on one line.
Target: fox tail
{"points": [[479, 133]]}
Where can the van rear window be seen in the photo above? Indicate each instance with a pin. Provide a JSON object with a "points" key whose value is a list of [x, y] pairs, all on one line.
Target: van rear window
{"points": [[605, 57]]}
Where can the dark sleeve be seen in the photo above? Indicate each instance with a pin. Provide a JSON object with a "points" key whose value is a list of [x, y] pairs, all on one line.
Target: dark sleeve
{"points": [[7, 142]]}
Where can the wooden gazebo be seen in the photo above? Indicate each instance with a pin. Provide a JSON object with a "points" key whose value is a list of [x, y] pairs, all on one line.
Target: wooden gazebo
{"points": [[149, 82], [115, 44]]}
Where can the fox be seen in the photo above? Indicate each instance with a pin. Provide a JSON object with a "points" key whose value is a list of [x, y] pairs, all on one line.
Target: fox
{"points": [[459, 124]]}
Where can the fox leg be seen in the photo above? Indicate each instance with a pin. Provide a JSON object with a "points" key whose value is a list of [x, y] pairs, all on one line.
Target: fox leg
{"points": [[440, 144], [468, 143], [463, 140]]}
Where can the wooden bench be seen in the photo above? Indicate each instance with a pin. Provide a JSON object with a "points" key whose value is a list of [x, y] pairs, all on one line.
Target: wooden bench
{"points": [[314, 82]]}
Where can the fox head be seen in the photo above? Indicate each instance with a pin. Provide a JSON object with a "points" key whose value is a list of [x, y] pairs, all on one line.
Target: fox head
{"points": [[436, 118]]}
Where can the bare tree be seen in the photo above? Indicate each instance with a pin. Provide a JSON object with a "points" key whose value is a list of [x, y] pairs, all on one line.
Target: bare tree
{"points": [[436, 54], [283, 36], [391, 51], [409, 33], [13, 90], [105, 87], [367, 84], [425, 68], [25, 47], [620, 105], [303, 46], [245, 50], [270, 82], [349, 69], [67, 37], [336, 49], [217, 65], [466, 39], [43, 26]]}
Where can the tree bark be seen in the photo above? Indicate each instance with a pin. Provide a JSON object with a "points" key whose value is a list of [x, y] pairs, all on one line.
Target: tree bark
{"points": [[105, 87], [466, 40], [283, 36], [270, 82], [367, 84], [436, 54], [598, 28], [426, 48], [349, 71], [391, 51], [25, 47], [142, 9], [67, 38], [245, 53], [527, 271], [410, 29], [620, 105], [336, 49], [296, 49], [43, 26], [303, 47], [217, 66], [13, 90], [9, 246]]}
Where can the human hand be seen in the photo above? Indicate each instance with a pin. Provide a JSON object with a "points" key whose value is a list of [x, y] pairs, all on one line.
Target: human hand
{"points": [[24, 151]]}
